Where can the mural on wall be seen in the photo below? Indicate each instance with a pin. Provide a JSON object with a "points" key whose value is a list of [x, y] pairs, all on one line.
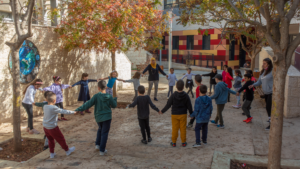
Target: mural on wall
{"points": [[29, 62]]}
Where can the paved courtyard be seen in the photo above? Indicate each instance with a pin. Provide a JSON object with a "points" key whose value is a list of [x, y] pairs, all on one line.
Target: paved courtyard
{"points": [[127, 152]]}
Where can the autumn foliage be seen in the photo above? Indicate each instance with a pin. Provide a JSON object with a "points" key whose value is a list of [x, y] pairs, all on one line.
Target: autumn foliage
{"points": [[112, 24]]}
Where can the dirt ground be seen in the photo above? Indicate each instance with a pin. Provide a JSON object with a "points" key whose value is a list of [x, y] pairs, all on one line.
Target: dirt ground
{"points": [[126, 151]]}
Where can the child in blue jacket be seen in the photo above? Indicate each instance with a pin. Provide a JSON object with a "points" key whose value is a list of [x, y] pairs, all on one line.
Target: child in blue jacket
{"points": [[221, 96], [202, 113]]}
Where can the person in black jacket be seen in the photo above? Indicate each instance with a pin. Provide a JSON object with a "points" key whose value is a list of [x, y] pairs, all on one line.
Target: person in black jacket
{"points": [[249, 95], [180, 102], [153, 69], [143, 103], [212, 82]]}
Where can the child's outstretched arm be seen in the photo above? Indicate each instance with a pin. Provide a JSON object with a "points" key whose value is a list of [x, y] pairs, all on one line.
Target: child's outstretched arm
{"points": [[62, 111], [184, 76], [92, 80], [77, 83], [152, 105], [130, 80], [216, 94], [103, 78], [87, 104], [161, 71], [65, 86], [231, 91], [41, 104], [133, 104], [146, 69], [121, 80]]}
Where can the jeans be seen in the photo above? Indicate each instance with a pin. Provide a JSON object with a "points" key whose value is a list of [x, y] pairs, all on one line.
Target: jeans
{"points": [[170, 90], [155, 87], [29, 110], [191, 90], [238, 98], [135, 95], [60, 105], [268, 99], [144, 124], [210, 87], [220, 108], [246, 107], [102, 134], [55, 134], [198, 127]]}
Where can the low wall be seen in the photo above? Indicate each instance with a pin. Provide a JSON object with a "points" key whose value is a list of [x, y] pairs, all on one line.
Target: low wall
{"points": [[57, 61]]}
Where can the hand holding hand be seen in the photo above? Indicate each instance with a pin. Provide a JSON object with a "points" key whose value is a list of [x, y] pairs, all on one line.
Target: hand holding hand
{"points": [[33, 103], [160, 112], [251, 86], [237, 94], [70, 86]]}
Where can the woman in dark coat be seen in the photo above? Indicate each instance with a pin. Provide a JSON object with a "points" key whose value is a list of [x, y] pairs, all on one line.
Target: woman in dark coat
{"points": [[212, 82], [153, 70], [84, 94]]}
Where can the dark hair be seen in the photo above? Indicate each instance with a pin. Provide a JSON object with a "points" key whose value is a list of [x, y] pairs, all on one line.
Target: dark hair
{"points": [[56, 78], [32, 83], [248, 75], [198, 78], [229, 70], [50, 98], [102, 84], [137, 75], [47, 93], [189, 69], [248, 62], [180, 85], [84, 75], [172, 68], [141, 89], [219, 77], [249, 72], [238, 73], [214, 68], [203, 89], [225, 66], [270, 68]]}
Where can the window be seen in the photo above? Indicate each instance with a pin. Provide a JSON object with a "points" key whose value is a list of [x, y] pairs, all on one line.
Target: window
{"points": [[190, 42], [172, 3], [175, 42], [206, 42]]}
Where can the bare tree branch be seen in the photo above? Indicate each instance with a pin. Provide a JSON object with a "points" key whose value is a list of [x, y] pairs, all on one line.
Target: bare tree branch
{"points": [[279, 4], [29, 17], [235, 8], [15, 15], [293, 10]]}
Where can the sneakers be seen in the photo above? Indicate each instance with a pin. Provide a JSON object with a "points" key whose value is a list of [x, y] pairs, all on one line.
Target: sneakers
{"points": [[155, 99], [173, 144], [213, 122], [144, 141], [204, 142], [149, 139], [103, 153], [35, 131], [237, 106], [249, 120], [81, 113], [97, 147], [72, 149], [52, 155], [196, 145], [184, 144], [221, 127], [268, 128], [88, 111], [189, 125], [64, 119]]}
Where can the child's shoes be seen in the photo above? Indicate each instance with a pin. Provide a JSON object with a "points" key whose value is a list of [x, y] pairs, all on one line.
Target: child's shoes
{"points": [[103, 153], [189, 125], [72, 149], [97, 147], [237, 106], [155, 99], [52, 155], [204, 142], [149, 139], [184, 144], [248, 120], [213, 122], [221, 127], [196, 145], [64, 119], [144, 141], [173, 144]]}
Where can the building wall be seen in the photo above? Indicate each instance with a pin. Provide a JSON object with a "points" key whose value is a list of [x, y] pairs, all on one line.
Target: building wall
{"points": [[137, 57], [57, 61]]}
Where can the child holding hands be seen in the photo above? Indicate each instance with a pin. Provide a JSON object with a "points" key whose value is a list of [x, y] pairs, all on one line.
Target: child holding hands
{"points": [[136, 83], [111, 81]]}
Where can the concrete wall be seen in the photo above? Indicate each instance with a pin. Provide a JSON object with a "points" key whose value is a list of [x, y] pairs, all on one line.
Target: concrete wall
{"points": [[57, 61], [137, 57], [291, 94]]}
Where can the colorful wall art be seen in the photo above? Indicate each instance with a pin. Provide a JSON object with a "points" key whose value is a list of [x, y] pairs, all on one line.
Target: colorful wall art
{"points": [[29, 62]]}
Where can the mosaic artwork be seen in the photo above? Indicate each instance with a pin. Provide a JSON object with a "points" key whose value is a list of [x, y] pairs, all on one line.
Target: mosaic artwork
{"points": [[29, 62]]}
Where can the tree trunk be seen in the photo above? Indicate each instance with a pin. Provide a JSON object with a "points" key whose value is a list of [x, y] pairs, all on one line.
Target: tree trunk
{"points": [[16, 100], [275, 135], [252, 63], [113, 67]]}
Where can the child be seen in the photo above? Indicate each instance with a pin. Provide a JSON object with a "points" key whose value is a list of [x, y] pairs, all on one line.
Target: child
{"points": [[198, 80], [221, 96], [172, 80], [212, 82], [189, 81], [143, 103], [237, 85], [136, 83], [111, 81], [253, 80], [228, 79], [57, 88], [27, 102], [224, 72], [202, 113], [103, 103], [84, 93], [180, 102], [249, 95], [42, 104], [51, 129]]}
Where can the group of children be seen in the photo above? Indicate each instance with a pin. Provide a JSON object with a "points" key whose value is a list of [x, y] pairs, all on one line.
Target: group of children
{"points": [[179, 101]]}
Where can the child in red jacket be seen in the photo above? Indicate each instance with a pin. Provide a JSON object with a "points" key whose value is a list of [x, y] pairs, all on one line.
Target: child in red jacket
{"points": [[228, 79]]}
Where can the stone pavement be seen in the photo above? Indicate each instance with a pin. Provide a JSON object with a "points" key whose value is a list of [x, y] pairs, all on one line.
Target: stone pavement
{"points": [[126, 151]]}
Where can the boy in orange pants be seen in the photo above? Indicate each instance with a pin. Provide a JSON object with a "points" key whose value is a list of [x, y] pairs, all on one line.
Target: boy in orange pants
{"points": [[180, 102]]}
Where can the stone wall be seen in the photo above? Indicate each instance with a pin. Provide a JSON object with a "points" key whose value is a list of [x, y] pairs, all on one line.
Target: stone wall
{"points": [[291, 94], [57, 61]]}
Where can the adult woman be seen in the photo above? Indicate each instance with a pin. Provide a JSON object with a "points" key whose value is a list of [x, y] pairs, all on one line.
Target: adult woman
{"points": [[28, 100], [266, 80], [153, 69]]}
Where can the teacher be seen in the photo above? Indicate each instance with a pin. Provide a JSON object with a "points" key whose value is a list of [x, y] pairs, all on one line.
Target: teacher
{"points": [[153, 69], [266, 80]]}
